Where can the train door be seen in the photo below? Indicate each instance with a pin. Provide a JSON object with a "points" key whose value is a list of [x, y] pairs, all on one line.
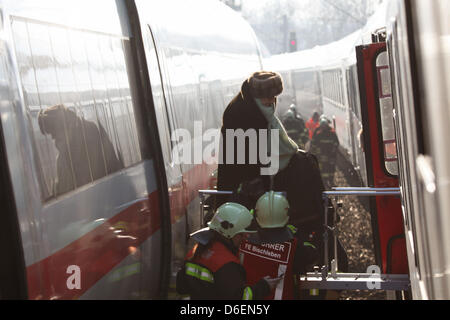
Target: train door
{"points": [[381, 156], [166, 128]]}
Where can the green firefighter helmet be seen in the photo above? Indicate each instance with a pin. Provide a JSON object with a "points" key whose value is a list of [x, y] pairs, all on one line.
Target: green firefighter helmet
{"points": [[230, 219], [271, 210]]}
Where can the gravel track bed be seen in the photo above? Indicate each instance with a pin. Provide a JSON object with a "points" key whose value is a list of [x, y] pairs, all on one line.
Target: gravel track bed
{"points": [[355, 233]]}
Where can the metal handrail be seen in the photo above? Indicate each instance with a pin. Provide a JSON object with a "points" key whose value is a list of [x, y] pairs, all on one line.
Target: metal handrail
{"points": [[215, 192], [349, 191], [364, 189]]}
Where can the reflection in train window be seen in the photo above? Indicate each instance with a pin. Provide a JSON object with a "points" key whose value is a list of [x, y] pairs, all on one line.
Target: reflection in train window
{"points": [[386, 113], [79, 105]]}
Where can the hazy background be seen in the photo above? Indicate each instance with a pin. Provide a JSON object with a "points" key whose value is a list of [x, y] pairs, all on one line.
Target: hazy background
{"points": [[278, 23]]}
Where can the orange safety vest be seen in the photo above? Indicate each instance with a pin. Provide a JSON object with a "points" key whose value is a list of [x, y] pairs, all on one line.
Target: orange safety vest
{"points": [[214, 258], [270, 260], [312, 126]]}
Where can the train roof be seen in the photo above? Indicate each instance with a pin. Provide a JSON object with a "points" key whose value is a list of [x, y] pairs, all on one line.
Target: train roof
{"points": [[200, 25], [208, 33], [77, 14]]}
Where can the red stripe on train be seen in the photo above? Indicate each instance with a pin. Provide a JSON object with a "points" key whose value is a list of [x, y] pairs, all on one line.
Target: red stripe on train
{"points": [[182, 194], [95, 253], [100, 250]]}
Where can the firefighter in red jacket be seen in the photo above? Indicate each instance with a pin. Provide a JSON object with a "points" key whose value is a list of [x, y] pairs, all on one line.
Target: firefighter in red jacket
{"points": [[278, 248], [212, 269]]}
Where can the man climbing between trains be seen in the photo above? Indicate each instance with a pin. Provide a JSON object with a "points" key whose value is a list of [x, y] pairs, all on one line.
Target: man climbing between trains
{"points": [[212, 269], [298, 174]]}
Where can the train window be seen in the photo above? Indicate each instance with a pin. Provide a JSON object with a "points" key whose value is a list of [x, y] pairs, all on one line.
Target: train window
{"points": [[78, 101], [339, 88], [336, 88], [386, 113], [356, 96], [349, 90], [331, 86]]}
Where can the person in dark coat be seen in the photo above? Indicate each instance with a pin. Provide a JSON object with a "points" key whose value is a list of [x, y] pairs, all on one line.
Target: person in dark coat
{"points": [[295, 127], [244, 113], [85, 152], [324, 145], [298, 174]]}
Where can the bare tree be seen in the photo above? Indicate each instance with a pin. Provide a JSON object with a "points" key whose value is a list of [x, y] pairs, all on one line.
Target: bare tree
{"points": [[314, 22]]}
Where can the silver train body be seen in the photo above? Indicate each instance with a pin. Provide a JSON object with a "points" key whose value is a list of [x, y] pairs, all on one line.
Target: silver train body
{"points": [[418, 39], [326, 79], [133, 74]]}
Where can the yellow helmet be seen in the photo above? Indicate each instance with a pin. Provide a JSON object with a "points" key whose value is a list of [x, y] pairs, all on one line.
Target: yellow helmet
{"points": [[271, 210]]}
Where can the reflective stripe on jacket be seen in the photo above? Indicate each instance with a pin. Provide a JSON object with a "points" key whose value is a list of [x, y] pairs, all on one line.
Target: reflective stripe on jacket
{"points": [[216, 273]]}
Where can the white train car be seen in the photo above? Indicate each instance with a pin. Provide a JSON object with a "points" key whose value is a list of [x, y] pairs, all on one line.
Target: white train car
{"points": [[406, 88], [418, 39], [94, 205]]}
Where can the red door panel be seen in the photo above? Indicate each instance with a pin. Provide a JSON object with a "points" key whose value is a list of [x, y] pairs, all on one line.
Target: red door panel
{"points": [[387, 220]]}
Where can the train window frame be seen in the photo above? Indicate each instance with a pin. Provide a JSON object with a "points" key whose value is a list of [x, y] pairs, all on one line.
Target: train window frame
{"points": [[134, 130], [341, 89], [349, 88], [379, 96]]}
